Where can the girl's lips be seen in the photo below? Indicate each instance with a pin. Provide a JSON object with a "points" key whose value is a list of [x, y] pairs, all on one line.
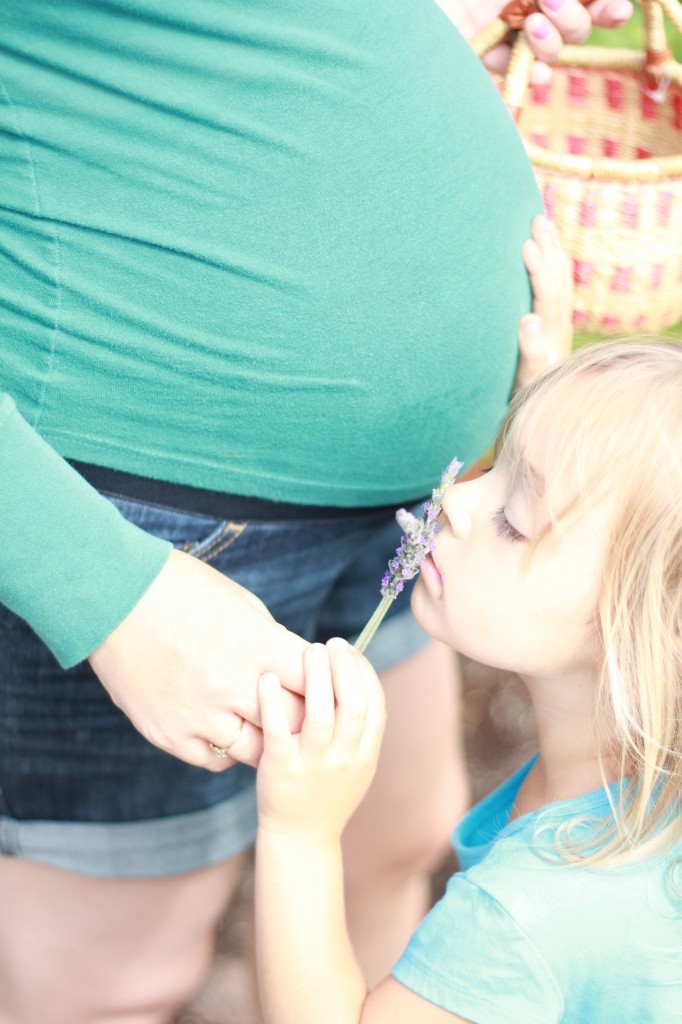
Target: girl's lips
{"points": [[428, 568]]}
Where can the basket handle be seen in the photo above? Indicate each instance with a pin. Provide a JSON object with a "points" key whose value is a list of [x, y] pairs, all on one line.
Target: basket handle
{"points": [[521, 60]]}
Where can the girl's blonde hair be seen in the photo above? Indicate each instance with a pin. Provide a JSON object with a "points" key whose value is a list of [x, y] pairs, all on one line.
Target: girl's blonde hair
{"points": [[610, 419]]}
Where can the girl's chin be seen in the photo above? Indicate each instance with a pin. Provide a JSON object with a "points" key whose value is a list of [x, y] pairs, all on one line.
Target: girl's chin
{"points": [[423, 600]]}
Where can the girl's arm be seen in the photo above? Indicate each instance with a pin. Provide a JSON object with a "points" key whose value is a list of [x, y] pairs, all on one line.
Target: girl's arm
{"points": [[308, 787]]}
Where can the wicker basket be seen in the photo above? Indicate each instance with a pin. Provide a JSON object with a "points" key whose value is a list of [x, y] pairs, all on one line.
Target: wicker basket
{"points": [[605, 140]]}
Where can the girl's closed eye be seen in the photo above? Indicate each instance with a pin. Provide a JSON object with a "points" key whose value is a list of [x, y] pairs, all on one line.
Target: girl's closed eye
{"points": [[505, 528]]}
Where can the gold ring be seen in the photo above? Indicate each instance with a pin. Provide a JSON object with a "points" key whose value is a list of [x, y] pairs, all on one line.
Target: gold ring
{"points": [[223, 751]]}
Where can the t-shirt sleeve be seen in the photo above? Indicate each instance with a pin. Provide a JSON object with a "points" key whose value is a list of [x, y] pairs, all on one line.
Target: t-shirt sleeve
{"points": [[471, 958], [70, 564]]}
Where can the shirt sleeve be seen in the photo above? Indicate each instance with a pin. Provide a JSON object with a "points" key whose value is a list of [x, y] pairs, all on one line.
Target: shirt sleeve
{"points": [[70, 564], [471, 958]]}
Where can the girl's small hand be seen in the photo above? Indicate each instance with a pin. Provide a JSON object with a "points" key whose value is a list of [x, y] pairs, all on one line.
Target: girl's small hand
{"points": [[310, 783], [545, 335]]}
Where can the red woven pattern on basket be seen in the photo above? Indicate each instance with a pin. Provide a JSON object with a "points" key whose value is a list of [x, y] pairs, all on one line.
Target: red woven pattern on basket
{"points": [[577, 88], [613, 88], [572, 94], [649, 107], [623, 233], [588, 208], [548, 194], [676, 105], [665, 208], [629, 211], [665, 211], [582, 271], [620, 282], [539, 94]]}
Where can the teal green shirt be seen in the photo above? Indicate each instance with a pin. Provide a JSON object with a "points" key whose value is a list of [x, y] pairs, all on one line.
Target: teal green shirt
{"points": [[521, 938], [268, 248]]}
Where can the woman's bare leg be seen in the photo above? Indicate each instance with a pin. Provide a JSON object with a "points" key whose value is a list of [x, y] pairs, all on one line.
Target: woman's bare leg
{"points": [[81, 950]]}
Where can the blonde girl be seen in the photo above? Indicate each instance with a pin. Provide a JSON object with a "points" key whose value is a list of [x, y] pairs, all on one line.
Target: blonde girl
{"points": [[562, 564]]}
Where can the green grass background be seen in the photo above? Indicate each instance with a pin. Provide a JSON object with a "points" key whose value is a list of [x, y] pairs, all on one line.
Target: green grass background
{"points": [[631, 35]]}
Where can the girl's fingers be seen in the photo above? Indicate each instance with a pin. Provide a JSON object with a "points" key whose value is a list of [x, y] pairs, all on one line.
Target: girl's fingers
{"points": [[532, 339], [549, 268], [318, 724], [546, 238], [534, 353], [277, 736], [532, 256], [546, 279], [350, 691]]}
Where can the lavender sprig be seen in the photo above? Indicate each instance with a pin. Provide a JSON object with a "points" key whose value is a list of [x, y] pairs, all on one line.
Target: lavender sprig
{"points": [[416, 543]]}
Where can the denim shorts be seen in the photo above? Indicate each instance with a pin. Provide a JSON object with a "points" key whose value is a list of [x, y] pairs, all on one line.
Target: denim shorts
{"points": [[81, 789]]}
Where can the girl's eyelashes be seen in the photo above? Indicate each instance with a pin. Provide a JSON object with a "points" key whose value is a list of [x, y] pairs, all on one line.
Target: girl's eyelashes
{"points": [[505, 528]]}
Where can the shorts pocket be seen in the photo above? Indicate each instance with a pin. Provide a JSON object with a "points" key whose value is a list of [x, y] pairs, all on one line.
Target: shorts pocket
{"points": [[225, 534], [199, 535]]}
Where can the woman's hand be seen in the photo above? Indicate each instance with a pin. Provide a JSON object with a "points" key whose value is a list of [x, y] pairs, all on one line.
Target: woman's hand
{"points": [[184, 665], [310, 784], [557, 22], [545, 335]]}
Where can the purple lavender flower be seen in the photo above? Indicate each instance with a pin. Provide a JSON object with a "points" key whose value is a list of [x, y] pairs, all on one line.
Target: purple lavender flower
{"points": [[416, 542], [418, 536]]}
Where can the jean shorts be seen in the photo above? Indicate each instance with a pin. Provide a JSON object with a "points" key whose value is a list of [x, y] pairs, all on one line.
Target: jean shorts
{"points": [[81, 789]]}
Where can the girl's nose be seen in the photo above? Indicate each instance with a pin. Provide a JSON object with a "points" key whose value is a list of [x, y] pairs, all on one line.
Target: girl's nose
{"points": [[457, 509]]}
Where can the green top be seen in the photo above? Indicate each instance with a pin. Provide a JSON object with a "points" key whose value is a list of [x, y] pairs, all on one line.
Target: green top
{"points": [[265, 248]]}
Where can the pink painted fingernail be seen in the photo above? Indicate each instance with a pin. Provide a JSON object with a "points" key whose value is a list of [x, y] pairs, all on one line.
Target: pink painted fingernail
{"points": [[540, 30], [554, 5]]}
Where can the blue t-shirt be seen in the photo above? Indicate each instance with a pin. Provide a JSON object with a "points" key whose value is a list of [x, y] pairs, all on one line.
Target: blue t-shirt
{"points": [[520, 937]]}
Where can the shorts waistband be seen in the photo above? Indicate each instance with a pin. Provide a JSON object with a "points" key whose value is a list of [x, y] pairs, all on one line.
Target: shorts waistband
{"points": [[211, 503]]}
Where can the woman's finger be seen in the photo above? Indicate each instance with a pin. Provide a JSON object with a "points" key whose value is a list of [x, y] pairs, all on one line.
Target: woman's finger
{"points": [[570, 18], [610, 13], [543, 38], [277, 738]]}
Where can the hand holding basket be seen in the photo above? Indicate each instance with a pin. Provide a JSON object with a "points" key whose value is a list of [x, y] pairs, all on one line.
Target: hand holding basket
{"points": [[605, 139]]}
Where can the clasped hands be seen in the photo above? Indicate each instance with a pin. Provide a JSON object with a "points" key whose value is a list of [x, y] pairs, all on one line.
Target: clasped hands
{"points": [[184, 665], [199, 654]]}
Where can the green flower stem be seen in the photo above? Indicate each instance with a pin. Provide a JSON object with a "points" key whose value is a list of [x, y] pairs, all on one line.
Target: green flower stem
{"points": [[373, 624]]}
